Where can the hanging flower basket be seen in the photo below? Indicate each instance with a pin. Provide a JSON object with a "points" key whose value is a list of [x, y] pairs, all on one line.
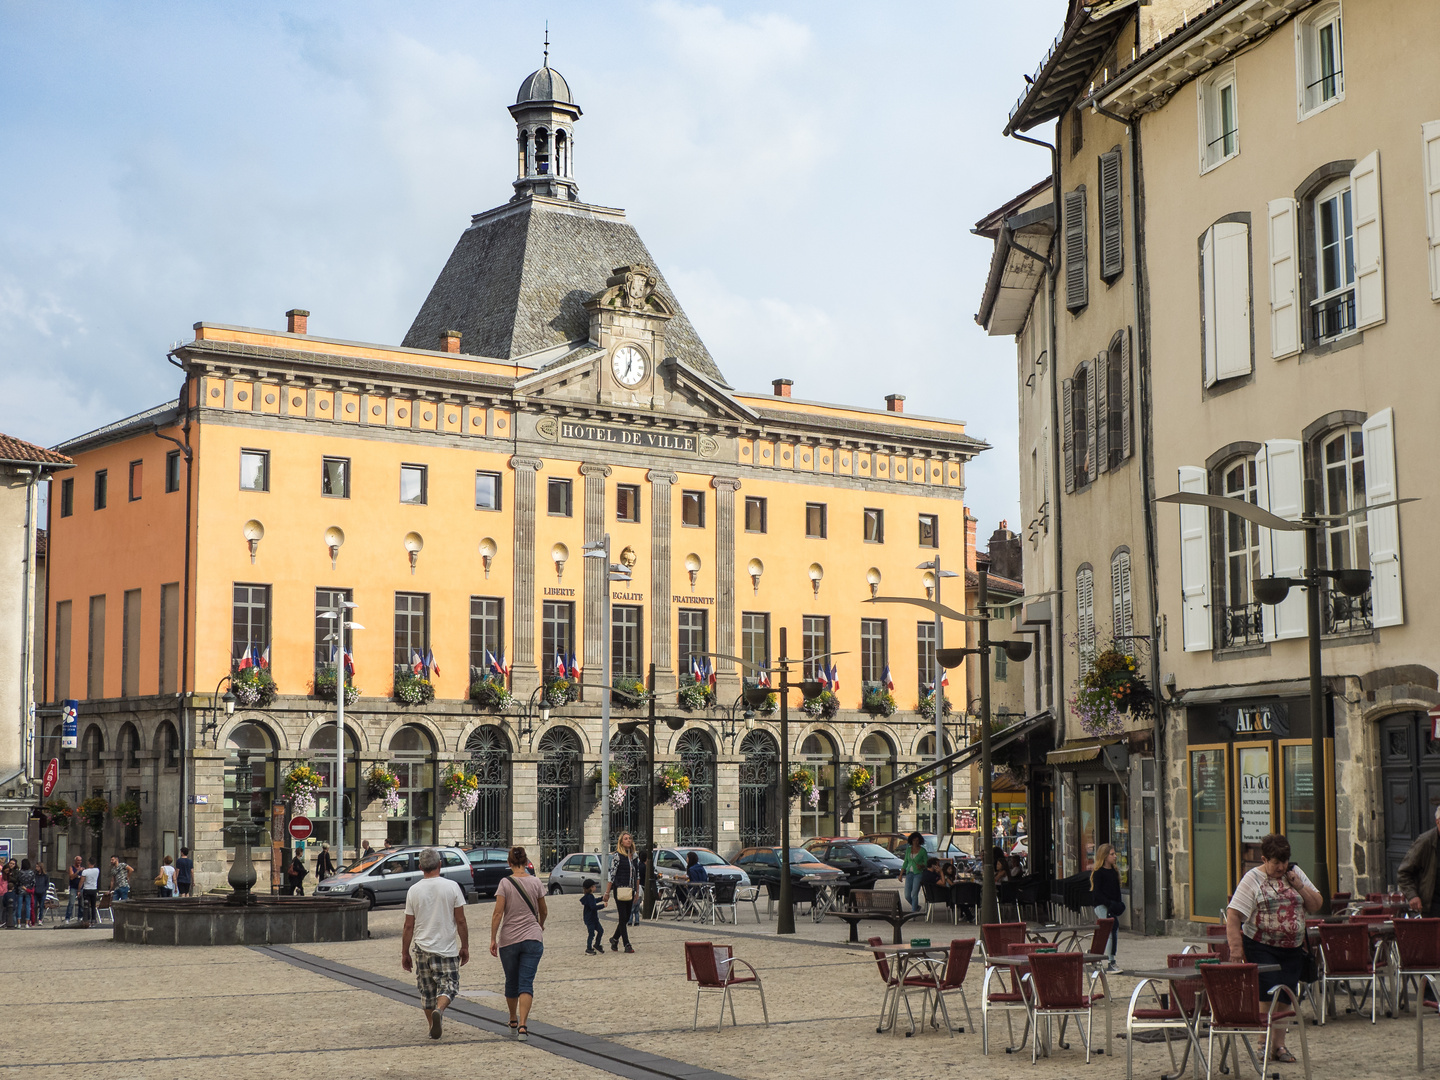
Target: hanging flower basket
{"points": [[695, 696], [412, 689], [771, 704], [462, 789], [324, 686], [93, 812], [490, 692], [802, 786], [128, 813], [1110, 690], [561, 690], [59, 813], [860, 780], [384, 784], [926, 792], [926, 707], [822, 706], [302, 784], [633, 694], [617, 789], [879, 702], [675, 783], [253, 687]]}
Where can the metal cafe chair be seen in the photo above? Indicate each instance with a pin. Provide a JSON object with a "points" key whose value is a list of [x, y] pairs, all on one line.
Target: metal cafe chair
{"points": [[1347, 957], [1057, 989], [712, 969], [1178, 1014], [1232, 992]]}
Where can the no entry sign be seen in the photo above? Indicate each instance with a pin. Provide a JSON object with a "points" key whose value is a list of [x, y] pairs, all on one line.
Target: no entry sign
{"points": [[300, 828]]}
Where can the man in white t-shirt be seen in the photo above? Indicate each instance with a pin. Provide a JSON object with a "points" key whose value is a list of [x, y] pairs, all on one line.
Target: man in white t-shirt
{"points": [[89, 892], [435, 925]]}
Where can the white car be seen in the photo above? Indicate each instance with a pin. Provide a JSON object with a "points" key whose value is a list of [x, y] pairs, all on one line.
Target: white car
{"points": [[671, 863]]}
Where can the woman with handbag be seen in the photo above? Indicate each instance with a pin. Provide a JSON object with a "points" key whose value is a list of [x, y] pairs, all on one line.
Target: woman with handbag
{"points": [[165, 880], [517, 937], [624, 880]]}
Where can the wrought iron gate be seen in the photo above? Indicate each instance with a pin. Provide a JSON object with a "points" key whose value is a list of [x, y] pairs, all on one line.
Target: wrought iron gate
{"points": [[760, 804], [558, 796], [489, 823], [630, 755], [695, 821]]}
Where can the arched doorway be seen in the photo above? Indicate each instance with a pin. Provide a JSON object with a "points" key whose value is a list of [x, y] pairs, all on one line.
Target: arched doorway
{"points": [[323, 816], [695, 821], [257, 739], [760, 805], [630, 754], [927, 819], [414, 766], [558, 796], [877, 754], [489, 823], [818, 756]]}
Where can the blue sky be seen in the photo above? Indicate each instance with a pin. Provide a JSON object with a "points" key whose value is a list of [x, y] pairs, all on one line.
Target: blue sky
{"points": [[806, 175]]}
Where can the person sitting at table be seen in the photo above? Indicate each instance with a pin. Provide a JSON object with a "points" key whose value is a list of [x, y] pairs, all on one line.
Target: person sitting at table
{"points": [[947, 874], [931, 874], [693, 870], [1002, 867]]}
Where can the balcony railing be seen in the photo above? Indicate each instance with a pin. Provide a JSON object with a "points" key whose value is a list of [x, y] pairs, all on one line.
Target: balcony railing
{"points": [[1341, 614], [1333, 316], [1241, 626]]}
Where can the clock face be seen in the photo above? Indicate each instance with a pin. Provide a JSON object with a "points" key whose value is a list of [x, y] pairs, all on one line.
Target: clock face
{"points": [[628, 364]]}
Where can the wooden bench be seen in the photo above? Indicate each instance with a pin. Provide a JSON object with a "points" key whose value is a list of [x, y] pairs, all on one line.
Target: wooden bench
{"points": [[880, 905]]}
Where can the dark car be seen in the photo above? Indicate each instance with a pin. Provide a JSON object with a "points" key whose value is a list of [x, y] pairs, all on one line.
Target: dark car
{"points": [[898, 843], [862, 862], [488, 866], [763, 866]]}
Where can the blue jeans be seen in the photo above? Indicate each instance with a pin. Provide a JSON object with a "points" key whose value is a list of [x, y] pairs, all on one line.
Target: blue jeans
{"points": [[912, 891], [122, 893], [594, 935], [72, 899], [1114, 944], [520, 962], [25, 906]]}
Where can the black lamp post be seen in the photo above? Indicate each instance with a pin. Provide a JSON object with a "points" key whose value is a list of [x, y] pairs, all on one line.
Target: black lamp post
{"points": [[212, 711]]}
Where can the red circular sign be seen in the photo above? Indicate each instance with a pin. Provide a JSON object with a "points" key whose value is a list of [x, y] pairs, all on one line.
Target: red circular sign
{"points": [[300, 827]]}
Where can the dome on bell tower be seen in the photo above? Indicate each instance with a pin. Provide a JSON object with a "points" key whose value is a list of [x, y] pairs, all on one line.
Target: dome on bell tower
{"points": [[547, 84], [545, 115]]}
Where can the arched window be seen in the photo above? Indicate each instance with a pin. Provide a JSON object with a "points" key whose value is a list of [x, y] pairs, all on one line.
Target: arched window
{"points": [[558, 796], [760, 805], [167, 742], [1347, 539], [695, 821], [562, 153], [630, 756], [1241, 619], [818, 757], [877, 754], [130, 746], [927, 819], [323, 816], [489, 822], [261, 744], [414, 767], [1122, 604], [542, 151]]}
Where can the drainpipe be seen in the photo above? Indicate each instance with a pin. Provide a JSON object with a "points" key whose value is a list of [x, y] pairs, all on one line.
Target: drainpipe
{"points": [[180, 696], [27, 644]]}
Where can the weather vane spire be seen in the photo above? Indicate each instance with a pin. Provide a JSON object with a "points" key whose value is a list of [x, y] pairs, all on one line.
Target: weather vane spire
{"points": [[547, 44]]}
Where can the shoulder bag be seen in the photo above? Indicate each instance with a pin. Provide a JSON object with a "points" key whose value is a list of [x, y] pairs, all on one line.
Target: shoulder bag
{"points": [[524, 896]]}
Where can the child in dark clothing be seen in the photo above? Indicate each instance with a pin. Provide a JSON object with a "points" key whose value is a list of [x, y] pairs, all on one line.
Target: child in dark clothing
{"points": [[594, 932]]}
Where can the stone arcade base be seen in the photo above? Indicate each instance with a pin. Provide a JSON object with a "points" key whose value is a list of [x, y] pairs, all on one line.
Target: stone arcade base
{"points": [[270, 920]]}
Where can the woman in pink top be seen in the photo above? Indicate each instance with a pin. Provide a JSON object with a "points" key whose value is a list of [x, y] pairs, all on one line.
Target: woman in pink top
{"points": [[517, 936]]}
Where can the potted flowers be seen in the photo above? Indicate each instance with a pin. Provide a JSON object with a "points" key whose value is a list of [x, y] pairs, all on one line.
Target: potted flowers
{"points": [[878, 701], [617, 789], [381, 783], [128, 813], [412, 689], [253, 687], [629, 693], [462, 789], [926, 707], [822, 706], [490, 692], [59, 813], [301, 785], [860, 780], [1109, 690], [694, 696], [561, 690], [676, 785], [324, 686], [93, 812], [802, 786]]}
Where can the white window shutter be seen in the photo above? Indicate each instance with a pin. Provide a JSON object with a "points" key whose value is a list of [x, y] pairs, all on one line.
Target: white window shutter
{"points": [[1284, 280], [1369, 243], [1122, 610], [1125, 391], [1387, 606], [1280, 488], [1195, 620], [1207, 303], [1232, 299], [1430, 140], [1091, 426], [1101, 365], [1067, 416], [1085, 618]]}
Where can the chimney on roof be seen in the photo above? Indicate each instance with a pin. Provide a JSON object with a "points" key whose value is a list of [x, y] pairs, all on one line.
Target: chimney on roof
{"points": [[296, 321], [1005, 554], [782, 386], [450, 341], [895, 402]]}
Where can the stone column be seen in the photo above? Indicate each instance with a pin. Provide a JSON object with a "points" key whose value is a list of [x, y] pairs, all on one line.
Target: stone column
{"points": [[727, 678], [661, 482], [593, 618], [524, 674]]}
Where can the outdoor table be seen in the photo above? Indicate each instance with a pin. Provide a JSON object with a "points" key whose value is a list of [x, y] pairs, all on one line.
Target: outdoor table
{"points": [[904, 958], [1059, 931], [1171, 976], [827, 895]]}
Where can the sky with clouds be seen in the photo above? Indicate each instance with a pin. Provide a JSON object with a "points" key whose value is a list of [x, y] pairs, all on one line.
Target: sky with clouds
{"points": [[806, 176]]}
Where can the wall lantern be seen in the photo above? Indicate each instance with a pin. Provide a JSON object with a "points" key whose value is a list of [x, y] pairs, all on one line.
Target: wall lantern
{"points": [[559, 553], [816, 573], [692, 567], [872, 576], [929, 578], [254, 533], [756, 568], [488, 550], [334, 537], [414, 543]]}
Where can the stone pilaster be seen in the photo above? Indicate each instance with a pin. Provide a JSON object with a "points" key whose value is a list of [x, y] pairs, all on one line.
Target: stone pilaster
{"points": [[727, 677], [595, 575], [661, 483], [524, 674]]}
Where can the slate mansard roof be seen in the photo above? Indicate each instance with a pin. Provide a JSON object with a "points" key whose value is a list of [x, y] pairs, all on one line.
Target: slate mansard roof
{"points": [[517, 281]]}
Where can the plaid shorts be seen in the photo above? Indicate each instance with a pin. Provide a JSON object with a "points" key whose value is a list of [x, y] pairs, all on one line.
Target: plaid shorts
{"points": [[436, 975]]}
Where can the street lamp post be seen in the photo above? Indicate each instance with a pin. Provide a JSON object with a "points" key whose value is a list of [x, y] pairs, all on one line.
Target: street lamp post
{"points": [[338, 626], [600, 549], [933, 565], [785, 917]]}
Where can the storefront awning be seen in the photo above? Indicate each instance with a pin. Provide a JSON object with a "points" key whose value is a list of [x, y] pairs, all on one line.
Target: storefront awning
{"points": [[1078, 750], [1289, 688]]}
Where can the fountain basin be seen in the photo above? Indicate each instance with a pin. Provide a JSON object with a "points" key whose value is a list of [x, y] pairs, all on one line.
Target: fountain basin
{"points": [[268, 920]]}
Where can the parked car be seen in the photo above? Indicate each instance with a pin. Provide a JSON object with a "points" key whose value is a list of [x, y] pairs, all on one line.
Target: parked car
{"points": [[896, 843], [488, 866], [385, 876], [863, 863], [671, 863], [817, 844], [763, 866], [571, 872]]}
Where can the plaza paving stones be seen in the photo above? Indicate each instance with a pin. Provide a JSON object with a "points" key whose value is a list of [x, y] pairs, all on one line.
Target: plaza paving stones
{"points": [[76, 1003]]}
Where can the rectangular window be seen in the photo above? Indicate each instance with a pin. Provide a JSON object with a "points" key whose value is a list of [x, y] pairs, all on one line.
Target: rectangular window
{"points": [[335, 477], [62, 652], [250, 625], [487, 491], [627, 502], [254, 470], [95, 661], [170, 638], [557, 635], [925, 656], [754, 514], [137, 479], [330, 633], [487, 633], [815, 520], [412, 627], [558, 498], [67, 497], [1333, 309], [1319, 59], [814, 643], [693, 639], [414, 484], [692, 509], [1219, 118], [172, 471], [626, 657], [874, 654], [929, 531], [755, 642], [130, 645], [874, 526], [102, 489]]}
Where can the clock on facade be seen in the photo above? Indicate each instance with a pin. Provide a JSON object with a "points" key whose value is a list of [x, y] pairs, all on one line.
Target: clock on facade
{"points": [[628, 364]]}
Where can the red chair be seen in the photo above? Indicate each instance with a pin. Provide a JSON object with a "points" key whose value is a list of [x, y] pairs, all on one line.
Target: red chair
{"points": [[1219, 930], [1374, 897], [996, 938], [1340, 898], [712, 967], [1347, 957], [1233, 994], [1057, 988], [957, 966], [1414, 954], [895, 990], [1178, 1015], [1009, 1000], [1100, 943]]}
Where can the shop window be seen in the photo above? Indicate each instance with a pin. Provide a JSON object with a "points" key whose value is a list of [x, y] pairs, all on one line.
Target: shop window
{"points": [[1209, 833]]}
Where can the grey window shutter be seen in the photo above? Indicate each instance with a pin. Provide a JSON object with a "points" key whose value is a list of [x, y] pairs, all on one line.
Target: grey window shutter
{"points": [[1112, 238], [1125, 392], [1077, 284], [1067, 411], [1102, 410], [1090, 426]]}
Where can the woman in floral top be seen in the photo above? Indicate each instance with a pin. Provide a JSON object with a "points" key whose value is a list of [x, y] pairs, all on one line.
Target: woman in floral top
{"points": [[1266, 923]]}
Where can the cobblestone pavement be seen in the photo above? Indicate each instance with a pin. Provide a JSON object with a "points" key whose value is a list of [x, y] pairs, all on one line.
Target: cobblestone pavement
{"points": [[87, 1004]]}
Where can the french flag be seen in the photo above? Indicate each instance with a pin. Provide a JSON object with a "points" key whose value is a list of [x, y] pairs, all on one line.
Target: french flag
{"points": [[885, 679], [834, 677], [763, 679], [245, 660], [349, 663], [944, 678], [574, 671], [710, 674], [255, 656], [430, 664], [417, 662], [822, 676], [695, 669], [265, 657], [560, 664]]}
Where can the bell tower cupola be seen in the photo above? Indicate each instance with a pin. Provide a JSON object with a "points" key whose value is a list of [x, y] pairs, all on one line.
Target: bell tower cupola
{"points": [[545, 116]]}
